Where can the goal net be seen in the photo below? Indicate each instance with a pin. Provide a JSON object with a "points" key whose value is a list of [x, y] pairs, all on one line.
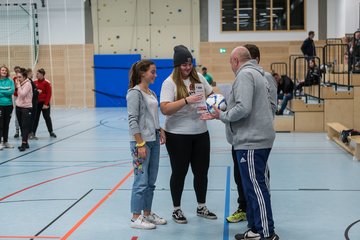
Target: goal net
{"points": [[19, 41]]}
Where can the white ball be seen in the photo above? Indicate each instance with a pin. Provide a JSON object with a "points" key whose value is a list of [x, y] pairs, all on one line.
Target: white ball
{"points": [[216, 99]]}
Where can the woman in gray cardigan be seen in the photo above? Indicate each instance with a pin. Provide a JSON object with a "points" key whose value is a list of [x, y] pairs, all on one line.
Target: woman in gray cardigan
{"points": [[145, 139]]}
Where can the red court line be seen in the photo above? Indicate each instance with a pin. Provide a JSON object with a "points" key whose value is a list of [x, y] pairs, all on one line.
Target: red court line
{"points": [[29, 237], [57, 178], [82, 220]]}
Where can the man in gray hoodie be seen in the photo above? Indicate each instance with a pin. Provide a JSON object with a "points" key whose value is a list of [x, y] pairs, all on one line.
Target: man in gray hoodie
{"points": [[240, 213], [249, 128]]}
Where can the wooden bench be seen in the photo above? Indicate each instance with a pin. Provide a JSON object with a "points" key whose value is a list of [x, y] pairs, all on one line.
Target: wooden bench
{"points": [[334, 133]]}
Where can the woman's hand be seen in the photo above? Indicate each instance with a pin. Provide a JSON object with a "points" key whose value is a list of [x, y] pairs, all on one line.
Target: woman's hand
{"points": [[162, 136], [142, 152], [194, 98]]}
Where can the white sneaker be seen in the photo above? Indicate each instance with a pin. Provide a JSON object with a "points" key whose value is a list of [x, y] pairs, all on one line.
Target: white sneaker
{"points": [[7, 145], [155, 219], [1, 147], [141, 223]]}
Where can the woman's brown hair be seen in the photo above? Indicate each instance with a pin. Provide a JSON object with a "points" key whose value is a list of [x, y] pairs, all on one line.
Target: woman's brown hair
{"points": [[181, 89], [137, 69]]}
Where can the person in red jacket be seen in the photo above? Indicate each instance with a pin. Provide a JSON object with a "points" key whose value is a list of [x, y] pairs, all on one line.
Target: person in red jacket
{"points": [[44, 88]]}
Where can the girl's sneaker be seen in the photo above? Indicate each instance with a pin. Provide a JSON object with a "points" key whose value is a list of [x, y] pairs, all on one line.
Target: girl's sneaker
{"points": [[155, 219], [141, 223], [179, 217], [205, 213]]}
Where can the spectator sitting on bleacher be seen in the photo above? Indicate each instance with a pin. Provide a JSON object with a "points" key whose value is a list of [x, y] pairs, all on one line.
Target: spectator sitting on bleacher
{"points": [[285, 91], [312, 77], [355, 51]]}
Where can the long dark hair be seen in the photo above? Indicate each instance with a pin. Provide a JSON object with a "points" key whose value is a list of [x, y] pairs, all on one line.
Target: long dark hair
{"points": [[24, 73], [137, 69]]}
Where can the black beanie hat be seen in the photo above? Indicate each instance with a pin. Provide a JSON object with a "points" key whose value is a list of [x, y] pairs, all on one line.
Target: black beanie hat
{"points": [[181, 55]]}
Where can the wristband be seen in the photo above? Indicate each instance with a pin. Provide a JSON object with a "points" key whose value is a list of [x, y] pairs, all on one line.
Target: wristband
{"points": [[186, 102], [140, 144]]}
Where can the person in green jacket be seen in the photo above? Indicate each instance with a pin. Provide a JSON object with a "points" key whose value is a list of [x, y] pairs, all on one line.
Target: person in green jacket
{"points": [[7, 89], [207, 76]]}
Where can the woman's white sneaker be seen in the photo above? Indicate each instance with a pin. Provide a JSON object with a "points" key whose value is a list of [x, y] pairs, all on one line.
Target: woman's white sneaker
{"points": [[155, 219], [142, 223]]}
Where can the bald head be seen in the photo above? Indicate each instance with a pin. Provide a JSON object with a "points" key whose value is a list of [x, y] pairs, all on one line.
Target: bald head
{"points": [[238, 57]]}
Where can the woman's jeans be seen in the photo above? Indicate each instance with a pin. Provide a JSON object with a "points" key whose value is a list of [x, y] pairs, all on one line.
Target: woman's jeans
{"points": [[144, 183]]}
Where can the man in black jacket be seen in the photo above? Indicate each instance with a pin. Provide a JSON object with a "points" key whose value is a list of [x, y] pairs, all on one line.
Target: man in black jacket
{"points": [[285, 90], [308, 46]]}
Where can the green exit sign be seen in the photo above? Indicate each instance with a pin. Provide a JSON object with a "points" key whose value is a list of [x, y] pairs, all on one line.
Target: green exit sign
{"points": [[222, 50]]}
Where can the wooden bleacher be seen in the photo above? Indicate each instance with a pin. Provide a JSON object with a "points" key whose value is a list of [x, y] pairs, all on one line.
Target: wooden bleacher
{"points": [[338, 105], [334, 133]]}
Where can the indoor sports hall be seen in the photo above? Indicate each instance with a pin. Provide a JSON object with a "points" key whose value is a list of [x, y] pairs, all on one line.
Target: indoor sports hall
{"points": [[75, 178]]}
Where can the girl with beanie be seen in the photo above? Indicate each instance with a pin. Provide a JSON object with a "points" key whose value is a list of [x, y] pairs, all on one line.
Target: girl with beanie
{"points": [[146, 137], [187, 137]]}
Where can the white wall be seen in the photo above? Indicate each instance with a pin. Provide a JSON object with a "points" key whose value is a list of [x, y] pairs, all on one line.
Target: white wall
{"points": [[334, 26], [352, 15], [64, 24], [342, 17], [215, 34], [60, 22]]}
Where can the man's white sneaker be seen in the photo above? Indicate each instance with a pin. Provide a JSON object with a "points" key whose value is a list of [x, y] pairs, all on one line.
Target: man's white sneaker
{"points": [[155, 219], [248, 235], [141, 223], [1, 146]]}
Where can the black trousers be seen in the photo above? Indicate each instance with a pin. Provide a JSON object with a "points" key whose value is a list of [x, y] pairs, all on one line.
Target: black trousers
{"points": [[46, 115], [24, 117], [33, 114], [237, 177], [185, 150], [5, 116]]}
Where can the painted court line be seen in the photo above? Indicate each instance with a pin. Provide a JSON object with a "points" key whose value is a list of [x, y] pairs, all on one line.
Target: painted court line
{"points": [[227, 205], [106, 197], [47, 145], [57, 178], [28, 237], [58, 217]]}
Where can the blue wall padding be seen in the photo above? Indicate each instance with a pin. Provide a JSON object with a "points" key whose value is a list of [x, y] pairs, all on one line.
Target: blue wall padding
{"points": [[112, 78]]}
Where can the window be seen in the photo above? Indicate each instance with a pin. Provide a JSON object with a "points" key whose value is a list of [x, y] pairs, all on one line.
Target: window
{"points": [[296, 14], [279, 15], [246, 16], [263, 15], [229, 13]]}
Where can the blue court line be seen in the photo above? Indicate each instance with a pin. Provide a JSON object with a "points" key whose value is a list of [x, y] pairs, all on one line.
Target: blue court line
{"points": [[227, 205]]}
